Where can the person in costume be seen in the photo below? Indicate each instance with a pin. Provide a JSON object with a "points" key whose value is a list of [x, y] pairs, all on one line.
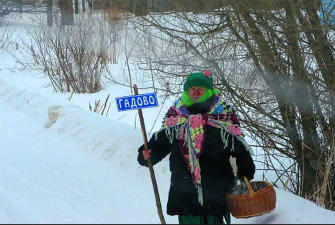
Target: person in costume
{"points": [[200, 131]]}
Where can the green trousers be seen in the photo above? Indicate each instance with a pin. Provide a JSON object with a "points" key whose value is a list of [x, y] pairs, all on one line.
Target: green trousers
{"points": [[205, 219]]}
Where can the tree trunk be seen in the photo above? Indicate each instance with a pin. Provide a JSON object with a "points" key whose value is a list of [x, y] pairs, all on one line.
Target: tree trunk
{"points": [[66, 8], [49, 12], [76, 6]]}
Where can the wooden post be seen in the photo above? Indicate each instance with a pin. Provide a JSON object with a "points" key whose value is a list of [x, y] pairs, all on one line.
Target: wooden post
{"points": [[151, 169]]}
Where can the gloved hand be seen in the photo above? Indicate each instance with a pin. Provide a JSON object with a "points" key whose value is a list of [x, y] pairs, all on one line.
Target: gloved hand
{"points": [[146, 154]]}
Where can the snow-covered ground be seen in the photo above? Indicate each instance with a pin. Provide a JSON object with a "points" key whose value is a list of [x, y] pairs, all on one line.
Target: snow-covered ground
{"points": [[62, 163]]}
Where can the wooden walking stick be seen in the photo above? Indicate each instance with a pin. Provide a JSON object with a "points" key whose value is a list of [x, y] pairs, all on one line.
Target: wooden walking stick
{"points": [[151, 169]]}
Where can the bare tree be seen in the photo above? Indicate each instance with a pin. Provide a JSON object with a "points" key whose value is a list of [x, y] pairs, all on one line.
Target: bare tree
{"points": [[275, 63], [5, 34], [73, 57]]}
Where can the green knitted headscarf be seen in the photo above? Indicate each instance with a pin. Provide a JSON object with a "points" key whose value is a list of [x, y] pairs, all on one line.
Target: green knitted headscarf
{"points": [[200, 80]]}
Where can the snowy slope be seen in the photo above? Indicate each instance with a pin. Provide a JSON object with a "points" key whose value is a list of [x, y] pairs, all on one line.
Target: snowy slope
{"points": [[60, 163]]}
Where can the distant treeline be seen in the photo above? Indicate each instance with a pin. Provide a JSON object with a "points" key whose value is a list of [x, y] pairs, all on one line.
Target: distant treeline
{"points": [[144, 6]]}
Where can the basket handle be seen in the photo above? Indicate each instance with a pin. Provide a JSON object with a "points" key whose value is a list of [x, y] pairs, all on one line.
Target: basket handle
{"points": [[251, 191]]}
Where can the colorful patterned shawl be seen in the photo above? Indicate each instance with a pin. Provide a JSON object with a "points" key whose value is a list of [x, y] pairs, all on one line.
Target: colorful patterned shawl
{"points": [[189, 130]]}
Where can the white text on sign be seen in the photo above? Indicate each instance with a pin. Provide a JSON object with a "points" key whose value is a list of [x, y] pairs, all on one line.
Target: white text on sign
{"points": [[136, 101]]}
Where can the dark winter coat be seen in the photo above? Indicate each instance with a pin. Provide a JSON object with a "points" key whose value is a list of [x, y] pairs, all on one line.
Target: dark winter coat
{"points": [[216, 172]]}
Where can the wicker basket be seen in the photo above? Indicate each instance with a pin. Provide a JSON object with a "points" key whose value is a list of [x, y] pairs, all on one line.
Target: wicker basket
{"points": [[261, 199]]}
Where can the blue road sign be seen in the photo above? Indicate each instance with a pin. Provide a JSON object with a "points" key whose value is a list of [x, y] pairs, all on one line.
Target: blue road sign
{"points": [[136, 101]]}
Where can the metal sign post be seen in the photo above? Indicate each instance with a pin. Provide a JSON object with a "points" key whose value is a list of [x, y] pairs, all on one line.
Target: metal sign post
{"points": [[138, 102]]}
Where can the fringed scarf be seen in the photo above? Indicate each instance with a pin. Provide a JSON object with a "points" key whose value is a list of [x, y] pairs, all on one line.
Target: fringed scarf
{"points": [[189, 130]]}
